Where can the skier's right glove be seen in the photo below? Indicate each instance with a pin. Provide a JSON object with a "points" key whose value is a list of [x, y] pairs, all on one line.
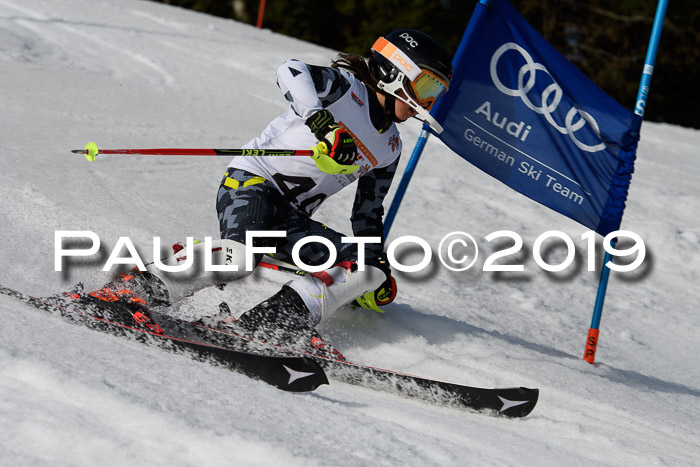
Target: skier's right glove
{"points": [[336, 151], [385, 293]]}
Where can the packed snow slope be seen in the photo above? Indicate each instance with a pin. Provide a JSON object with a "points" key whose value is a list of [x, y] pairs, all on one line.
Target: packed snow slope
{"points": [[132, 73]]}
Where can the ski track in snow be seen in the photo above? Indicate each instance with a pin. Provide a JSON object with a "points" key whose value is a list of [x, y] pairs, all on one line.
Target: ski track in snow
{"points": [[141, 74]]}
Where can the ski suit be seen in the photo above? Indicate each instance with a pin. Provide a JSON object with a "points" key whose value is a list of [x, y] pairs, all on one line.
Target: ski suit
{"points": [[281, 193]]}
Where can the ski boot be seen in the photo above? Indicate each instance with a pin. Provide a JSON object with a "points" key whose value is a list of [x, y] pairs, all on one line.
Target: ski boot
{"points": [[283, 320]]}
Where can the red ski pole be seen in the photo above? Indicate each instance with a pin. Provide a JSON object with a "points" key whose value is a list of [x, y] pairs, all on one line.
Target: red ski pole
{"points": [[91, 151]]}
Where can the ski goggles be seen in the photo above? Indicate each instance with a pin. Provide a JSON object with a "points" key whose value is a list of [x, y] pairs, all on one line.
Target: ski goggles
{"points": [[426, 86]]}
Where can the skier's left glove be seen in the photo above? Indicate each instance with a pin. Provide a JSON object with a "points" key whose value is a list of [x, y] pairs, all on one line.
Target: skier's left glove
{"points": [[336, 151], [385, 293]]}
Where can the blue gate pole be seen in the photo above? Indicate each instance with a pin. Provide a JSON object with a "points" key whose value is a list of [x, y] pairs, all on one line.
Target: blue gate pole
{"points": [[640, 104], [405, 179], [479, 11], [651, 58]]}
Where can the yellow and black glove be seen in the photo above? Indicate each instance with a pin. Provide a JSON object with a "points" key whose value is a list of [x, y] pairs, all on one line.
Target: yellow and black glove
{"points": [[385, 293], [336, 151]]}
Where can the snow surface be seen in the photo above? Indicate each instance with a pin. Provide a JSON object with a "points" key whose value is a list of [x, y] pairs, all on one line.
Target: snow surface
{"points": [[133, 73]]}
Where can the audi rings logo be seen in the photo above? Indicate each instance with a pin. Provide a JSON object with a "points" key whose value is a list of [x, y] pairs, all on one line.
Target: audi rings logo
{"points": [[550, 99]]}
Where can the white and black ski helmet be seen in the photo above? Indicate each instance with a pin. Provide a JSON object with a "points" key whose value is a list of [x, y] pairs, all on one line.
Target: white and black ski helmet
{"points": [[411, 60]]}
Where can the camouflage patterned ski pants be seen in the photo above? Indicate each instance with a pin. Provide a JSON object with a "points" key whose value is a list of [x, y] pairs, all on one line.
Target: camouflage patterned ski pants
{"points": [[248, 202]]}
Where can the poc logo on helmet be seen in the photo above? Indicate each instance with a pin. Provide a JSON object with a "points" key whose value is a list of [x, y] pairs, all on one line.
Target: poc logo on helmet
{"points": [[407, 37], [404, 63]]}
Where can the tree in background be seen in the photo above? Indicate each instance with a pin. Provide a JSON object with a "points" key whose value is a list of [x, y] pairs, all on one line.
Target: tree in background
{"points": [[607, 40]]}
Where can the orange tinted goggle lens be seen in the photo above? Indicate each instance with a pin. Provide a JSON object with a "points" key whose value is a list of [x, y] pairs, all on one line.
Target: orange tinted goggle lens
{"points": [[428, 87]]}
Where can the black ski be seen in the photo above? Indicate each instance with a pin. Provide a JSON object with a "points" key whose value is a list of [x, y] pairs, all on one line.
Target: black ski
{"points": [[508, 402], [287, 369], [296, 373]]}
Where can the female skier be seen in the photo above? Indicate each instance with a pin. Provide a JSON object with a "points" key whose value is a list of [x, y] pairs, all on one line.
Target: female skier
{"points": [[348, 114]]}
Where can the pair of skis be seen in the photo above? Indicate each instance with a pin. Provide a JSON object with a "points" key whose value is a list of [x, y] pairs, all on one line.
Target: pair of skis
{"points": [[283, 368]]}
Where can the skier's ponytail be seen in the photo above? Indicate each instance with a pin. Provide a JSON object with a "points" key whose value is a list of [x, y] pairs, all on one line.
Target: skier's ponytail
{"points": [[358, 66]]}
